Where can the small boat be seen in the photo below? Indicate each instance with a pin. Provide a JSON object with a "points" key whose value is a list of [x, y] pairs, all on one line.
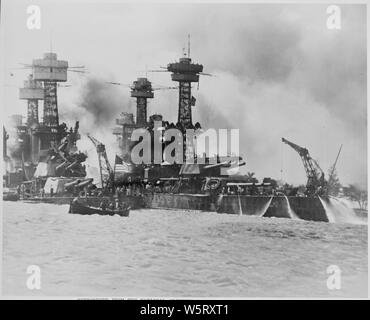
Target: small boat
{"points": [[10, 194], [78, 207]]}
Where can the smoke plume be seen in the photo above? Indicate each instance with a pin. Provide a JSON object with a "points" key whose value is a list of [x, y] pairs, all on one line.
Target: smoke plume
{"points": [[96, 106]]}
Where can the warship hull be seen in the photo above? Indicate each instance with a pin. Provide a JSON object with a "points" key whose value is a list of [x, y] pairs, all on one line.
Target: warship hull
{"points": [[133, 201], [178, 201], [305, 208], [301, 208]]}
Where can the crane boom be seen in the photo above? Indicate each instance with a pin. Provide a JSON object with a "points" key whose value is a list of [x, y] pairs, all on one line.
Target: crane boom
{"points": [[336, 160], [102, 155], [315, 175], [331, 179]]}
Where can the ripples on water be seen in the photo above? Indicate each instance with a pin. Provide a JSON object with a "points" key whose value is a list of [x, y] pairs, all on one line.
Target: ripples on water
{"points": [[178, 254]]}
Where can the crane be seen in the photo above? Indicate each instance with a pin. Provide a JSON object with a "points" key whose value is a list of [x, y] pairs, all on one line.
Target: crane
{"points": [[102, 156], [316, 183], [331, 179]]}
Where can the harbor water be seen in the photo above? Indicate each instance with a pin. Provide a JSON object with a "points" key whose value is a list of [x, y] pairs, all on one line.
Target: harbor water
{"points": [[170, 253]]}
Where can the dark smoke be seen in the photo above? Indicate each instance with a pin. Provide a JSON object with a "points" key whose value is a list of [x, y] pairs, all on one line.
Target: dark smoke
{"points": [[96, 107], [103, 101]]}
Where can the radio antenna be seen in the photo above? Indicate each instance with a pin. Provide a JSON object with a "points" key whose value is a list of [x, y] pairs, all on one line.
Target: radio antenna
{"points": [[188, 45]]}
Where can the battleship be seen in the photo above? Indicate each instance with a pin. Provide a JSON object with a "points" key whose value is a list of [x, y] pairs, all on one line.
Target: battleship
{"points": [[46, 166], [43, 158]]}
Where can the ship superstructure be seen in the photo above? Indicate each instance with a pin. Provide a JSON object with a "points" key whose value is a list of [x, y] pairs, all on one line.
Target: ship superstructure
{"points": [[42, 146], [185, 73]]}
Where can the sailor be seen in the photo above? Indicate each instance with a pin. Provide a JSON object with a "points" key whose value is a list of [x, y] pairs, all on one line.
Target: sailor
{"points": [[111, 205], [148, 187], [157, 187], [166, 187], [120, 192], [103, 205], [23, 190]]}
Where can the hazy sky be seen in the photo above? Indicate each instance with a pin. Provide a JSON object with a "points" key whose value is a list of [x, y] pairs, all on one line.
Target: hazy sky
{"points": [[279, 72]]}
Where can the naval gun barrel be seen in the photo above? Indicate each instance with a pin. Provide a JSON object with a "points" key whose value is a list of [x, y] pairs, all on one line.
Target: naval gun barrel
{"points": [[84, 183], [71, 184], [216, 165], [72, 165], [63, 146], [241, 163], [62, 165]]}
